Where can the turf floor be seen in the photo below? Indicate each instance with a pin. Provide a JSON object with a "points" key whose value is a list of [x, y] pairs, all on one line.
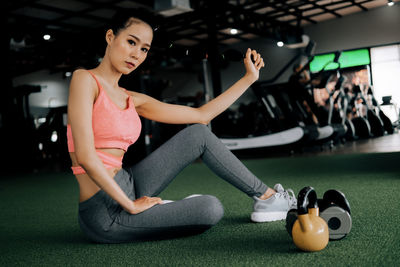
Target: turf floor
{"points": [[38, 225]]}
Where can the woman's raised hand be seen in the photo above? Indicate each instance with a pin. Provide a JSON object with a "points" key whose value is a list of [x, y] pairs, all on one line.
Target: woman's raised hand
{"points": [[253, 69]]}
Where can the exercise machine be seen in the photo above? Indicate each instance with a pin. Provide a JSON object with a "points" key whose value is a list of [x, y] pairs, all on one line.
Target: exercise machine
{"points": [[281, 135]]}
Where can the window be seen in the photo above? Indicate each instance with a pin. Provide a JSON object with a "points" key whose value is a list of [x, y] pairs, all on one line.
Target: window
{"points": [[385, 68]]}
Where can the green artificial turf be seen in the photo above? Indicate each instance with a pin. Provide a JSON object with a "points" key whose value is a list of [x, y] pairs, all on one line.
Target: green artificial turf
{"points": [[38, 225]]}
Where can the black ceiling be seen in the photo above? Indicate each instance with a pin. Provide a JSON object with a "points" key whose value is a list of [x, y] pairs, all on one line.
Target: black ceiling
{"points": [[77, 26]]}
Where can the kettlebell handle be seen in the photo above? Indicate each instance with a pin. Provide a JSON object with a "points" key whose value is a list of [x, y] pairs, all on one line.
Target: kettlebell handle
{"points": [[307, 193]]}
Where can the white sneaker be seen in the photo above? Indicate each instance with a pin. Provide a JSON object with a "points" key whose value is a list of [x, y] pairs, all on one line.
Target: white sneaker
{"points": [[274, 208], [169, 201], [166, 201], [194, 195]]}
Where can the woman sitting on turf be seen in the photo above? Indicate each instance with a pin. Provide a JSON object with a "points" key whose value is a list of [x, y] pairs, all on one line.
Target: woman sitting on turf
{"points": [[121, 205]]}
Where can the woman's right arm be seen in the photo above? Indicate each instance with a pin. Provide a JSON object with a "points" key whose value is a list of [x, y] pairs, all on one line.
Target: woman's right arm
{"points": [[82, 95]]}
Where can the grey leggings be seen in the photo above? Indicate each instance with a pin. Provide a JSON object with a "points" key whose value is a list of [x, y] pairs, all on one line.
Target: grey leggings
{"points": [[103, 220]]}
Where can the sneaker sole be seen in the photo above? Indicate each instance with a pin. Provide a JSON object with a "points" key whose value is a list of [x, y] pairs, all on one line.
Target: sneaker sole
{"points": [[268, 216]]}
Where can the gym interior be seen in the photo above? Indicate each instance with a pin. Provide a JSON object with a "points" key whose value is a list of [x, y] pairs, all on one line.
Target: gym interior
{"points": [[324, 113]]}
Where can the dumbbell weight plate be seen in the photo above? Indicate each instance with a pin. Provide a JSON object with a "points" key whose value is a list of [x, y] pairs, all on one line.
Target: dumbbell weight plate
{"points": [[290, 219], [338, 220]]}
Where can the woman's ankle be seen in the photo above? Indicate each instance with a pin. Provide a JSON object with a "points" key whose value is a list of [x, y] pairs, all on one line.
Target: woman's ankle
{"points": [[269, 193]]}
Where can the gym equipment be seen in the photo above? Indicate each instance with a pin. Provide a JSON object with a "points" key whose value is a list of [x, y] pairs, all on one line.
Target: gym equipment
{"points": [[351, 129], [362, 127], [389, 108], [338, 108], [340, 127], [283, 110], [334, 208], [377, 126], [361, 122], [278, 137], [374, 106], [309, 231], [51, 138], [303, 99]]}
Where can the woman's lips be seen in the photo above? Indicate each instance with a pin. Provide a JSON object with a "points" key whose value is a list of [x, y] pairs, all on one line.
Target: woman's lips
{"points": [[130, 65]]}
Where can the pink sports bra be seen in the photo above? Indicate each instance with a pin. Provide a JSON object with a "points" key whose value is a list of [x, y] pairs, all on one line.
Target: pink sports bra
{"points": [[113, 127]]}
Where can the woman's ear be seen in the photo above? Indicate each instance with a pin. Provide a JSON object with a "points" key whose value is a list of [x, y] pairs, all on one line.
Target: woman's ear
{"points": [[109, 36]]}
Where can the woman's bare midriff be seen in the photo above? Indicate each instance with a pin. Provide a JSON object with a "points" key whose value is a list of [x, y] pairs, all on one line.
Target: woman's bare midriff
{"points": [[87, 187]]}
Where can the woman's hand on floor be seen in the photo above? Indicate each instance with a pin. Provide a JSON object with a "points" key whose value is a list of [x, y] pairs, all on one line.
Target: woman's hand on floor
{"points": [[144, 203]]}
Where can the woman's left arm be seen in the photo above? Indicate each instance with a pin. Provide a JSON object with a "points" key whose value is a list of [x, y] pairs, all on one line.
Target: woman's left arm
{"points": [[153, 109]]}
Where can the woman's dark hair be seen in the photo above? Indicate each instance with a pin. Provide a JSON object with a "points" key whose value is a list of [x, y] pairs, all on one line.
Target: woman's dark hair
{"points": [[125, 17]]}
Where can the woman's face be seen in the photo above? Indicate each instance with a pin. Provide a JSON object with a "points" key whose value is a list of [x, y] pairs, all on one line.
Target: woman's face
{"points": [[129, 48]]}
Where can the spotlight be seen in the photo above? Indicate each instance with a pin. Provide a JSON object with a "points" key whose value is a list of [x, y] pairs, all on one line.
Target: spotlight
{"points": [[233, 31], [390, 3], [280, 43], [46, 37], [54, 137]]}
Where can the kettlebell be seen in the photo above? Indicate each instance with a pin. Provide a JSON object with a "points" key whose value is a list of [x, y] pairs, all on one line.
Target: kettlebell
{"points": [[310, 232], [335, 210]]}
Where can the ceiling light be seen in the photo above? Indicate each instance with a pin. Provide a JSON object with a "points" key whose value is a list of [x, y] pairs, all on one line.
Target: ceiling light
{"points": [[233, 31], [390, 3], [280, 43], [46, 37], [54, 137]]}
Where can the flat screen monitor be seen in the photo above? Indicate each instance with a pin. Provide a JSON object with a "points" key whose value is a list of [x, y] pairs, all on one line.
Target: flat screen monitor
{"points": [[351, 58]]}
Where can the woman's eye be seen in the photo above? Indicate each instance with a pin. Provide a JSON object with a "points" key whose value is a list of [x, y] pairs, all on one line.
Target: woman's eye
{"points": [[131, 42], [145, 50]]}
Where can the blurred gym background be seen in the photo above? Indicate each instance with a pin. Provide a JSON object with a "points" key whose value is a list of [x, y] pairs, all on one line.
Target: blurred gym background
{"points": [[332, 75]]}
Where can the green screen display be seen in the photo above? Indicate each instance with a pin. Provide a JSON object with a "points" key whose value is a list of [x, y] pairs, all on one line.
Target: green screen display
{"points": [[350, 58]]}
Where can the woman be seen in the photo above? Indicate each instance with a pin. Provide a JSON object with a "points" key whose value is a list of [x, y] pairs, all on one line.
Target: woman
{"points": [[121, 205]]}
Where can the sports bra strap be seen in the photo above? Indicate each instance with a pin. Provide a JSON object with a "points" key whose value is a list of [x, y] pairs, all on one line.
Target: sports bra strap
{"points": [[97, 81]]}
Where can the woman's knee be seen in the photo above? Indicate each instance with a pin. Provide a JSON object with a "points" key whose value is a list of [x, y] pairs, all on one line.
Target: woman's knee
{"points": [[210, 210], [197, 133], [198, 129]]}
